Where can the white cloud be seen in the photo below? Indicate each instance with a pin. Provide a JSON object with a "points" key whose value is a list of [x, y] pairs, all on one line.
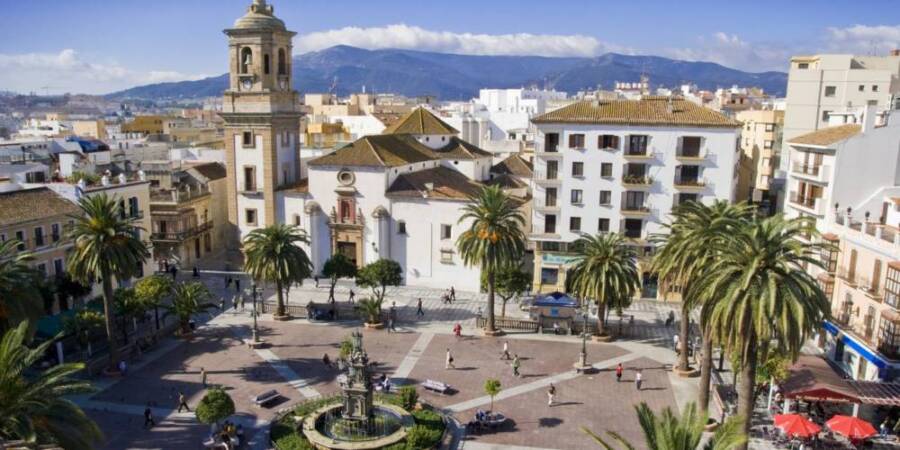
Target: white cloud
{"points": [[67, 71], [731, 51], [416, 38], [863, 39]]}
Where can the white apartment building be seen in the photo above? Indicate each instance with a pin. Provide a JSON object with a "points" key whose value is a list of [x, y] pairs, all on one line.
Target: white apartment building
{"points": [[621, 166]]}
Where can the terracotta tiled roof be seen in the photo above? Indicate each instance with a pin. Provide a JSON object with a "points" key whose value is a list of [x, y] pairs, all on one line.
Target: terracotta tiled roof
{"points": [[301, 187], [460, 149], [827, 136], [383, 150], [830, 237], [420, 121], [514, 165], [447, 184], [506, 181], [26, 205], [388, 118], [654, 111]]}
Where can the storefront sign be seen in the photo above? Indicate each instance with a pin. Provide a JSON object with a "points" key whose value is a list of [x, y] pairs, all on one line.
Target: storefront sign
{"points": [[559, 260]]}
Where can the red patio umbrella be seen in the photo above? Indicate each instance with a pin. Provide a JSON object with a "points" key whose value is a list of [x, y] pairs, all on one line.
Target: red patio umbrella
{"points": [[795, 425], [852, 427]]}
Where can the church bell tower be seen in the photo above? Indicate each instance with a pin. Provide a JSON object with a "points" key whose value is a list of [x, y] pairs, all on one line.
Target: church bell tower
{"points": [[262, 120]]}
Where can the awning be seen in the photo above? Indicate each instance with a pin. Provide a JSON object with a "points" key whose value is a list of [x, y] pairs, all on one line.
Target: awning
{"points": [[556, 300], [812, 378], [877, 393]]}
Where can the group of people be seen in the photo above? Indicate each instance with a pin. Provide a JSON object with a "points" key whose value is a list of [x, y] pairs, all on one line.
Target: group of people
{"points": [[231, 436], [449, 296]]}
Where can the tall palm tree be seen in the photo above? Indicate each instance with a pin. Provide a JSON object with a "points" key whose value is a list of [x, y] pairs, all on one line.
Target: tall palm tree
{"points": [[605, 271], [494, 239], [21, 300], [760, 294], [274, 254], [189, 299], [670, 432], [32, 405], [105, 244], [687, 250]]}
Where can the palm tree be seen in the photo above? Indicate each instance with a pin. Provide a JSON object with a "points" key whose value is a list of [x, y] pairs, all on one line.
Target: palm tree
{"points": [[33, 406], [189, 299], [760, 295], [686, 251], [274, 254], [604, 270], [105, 245], [670, 432], [128, 307], [494, 239], [21, 299]]}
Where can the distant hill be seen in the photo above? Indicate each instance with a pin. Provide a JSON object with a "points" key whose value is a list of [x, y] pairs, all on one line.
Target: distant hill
{"points": [[459, 77]]}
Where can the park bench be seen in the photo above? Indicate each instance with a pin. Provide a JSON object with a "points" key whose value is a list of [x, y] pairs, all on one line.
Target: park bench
{"points": [[436, 386], [265, 397]]}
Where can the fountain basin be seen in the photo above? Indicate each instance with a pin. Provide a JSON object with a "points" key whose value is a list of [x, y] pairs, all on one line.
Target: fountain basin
{"points": [[323, 439]]}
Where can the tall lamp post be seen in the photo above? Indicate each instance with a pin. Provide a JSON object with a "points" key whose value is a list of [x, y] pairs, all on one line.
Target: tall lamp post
{"points": [[255, 334], [582, 365]]}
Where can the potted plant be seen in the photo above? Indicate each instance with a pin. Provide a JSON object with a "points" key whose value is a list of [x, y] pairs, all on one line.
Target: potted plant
{"points": [[377, 276]]}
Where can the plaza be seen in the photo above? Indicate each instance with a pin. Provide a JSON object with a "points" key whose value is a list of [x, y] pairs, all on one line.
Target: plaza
{"points": [[291, 363]]}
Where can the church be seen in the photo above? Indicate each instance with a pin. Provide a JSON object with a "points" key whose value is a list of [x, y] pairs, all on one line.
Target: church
{"points": [[398, 195]]}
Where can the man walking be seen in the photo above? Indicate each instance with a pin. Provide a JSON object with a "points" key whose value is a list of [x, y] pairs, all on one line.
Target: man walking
{"points": [[182, 402], [505, 354], [148, 417], [619, 370], [237, 285], [419, 311], [452, 294], [203, 376], [352, 295], [638, 379], [515, 366], [316, 279], [551, 394], [449, 361], [676, 340]]}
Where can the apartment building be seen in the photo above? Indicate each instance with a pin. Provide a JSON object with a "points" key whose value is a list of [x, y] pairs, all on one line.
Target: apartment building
{"points": [[621, 166], [760, 149]]}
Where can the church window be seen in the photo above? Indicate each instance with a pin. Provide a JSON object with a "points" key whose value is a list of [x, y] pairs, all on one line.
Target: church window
{"points": [[250, 216], [246, 59], [401, 227], [266, 64], [248, 139], [282, 64]]}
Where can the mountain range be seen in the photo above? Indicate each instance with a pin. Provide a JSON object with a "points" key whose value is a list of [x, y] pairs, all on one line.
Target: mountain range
{"points": [[459, 77]]}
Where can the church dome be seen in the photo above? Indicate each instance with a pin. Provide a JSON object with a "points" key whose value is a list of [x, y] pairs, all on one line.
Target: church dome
{"points": [[260, 16]]}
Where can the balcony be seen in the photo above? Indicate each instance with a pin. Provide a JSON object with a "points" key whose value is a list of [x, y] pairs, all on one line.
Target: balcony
{"points": [[181, 235], [694, 155], [818, 173], [872, 232], [174, 196], [548, 151], [689, 183], [850, 277], [637, 180], [632, 210], [809, 204], [543, 206], [638, 154], [547, 179]]}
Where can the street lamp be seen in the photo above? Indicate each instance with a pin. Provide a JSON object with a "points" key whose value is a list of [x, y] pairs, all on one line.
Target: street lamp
{"points": [[255, 336], [582, 364]]}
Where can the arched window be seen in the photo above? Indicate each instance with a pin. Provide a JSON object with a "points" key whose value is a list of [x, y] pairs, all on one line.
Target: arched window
{"points": [[282, 64], [266, 64], [246, 59]]}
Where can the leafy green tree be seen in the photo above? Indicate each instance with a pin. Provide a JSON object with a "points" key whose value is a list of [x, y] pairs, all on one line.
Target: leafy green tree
{"points": [[687, 250], [67, 288], [33, 404], [759, 292], [153, 290], [604, 270], [189, 299], [215, 406], [129, 308], [84, 324], [105, 246], [378, 276], [338, 266], [492, 388], [274, 254], [494, 239], [21, 300], [668, 431], [510, 282]]}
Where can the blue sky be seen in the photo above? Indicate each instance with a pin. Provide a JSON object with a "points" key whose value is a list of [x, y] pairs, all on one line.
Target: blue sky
{"points": [[98, 46]]}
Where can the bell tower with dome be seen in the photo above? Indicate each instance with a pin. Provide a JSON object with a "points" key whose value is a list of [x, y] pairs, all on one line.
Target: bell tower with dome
{"points": [[262, 120]]}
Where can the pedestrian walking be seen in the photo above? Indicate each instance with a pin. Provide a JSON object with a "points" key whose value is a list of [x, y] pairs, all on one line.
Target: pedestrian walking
{"points": [[174, 271], [638, 379], [237, 285], [352, 295], [195, 272], [419, 311], [457, 330], [222, 304], [676, 340], [619, 370], [505, 354], [671, 319], [551, 394], [449, 361], [203, 376], [515, 366], [452, 294], [148, 417], [227, 282], [316, 279], [243, 302], [182, 402], [123, 367], [391, 324]]}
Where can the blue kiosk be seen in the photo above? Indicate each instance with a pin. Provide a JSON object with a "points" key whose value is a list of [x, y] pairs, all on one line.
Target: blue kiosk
{"points": [[555, 308]]}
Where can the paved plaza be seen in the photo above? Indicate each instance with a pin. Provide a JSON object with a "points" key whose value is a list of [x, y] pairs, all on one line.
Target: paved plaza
{"points": [[292, 364]]}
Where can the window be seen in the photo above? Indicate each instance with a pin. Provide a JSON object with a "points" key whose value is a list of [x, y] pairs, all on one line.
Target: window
{"points": [[574, 223], [770, 127], [892, 287], [266, 64], [551, 142], [576, 196], [133, 209], [874, 88], [803, 65], [246, 59], [550, 196], [605, 198], [282, 66], [637, 144], [633, 228], [446, 231], [549, 275], [248, 139], [606, 170], [577, 169], [42, 268], [38, 236], [552, 169], [576, 141], [250, 216], [401, 227], [446, 256], [830, 91], [550, 224], [54, 232], [603, 225], [58, 267], [862, 88], [767, 144], [825, 115], [608, 141], [20, 236], [297, 220], [249, 179]]}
